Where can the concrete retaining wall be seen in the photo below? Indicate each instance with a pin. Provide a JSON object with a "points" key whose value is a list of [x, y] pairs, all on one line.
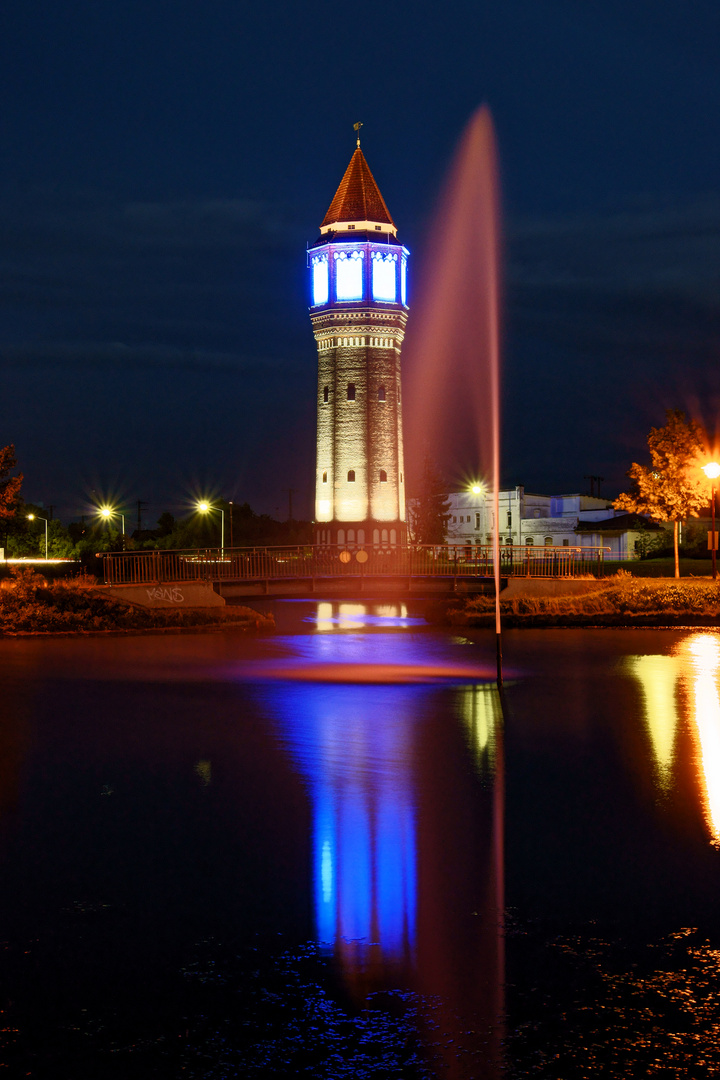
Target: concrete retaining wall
{"points": [[171, 594]]}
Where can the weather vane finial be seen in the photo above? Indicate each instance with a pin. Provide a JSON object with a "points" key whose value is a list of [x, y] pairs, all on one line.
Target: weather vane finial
{"points": [[357, 128]]}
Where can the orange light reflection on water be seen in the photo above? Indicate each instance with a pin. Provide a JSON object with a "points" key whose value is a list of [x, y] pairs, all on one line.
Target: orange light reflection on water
{"points": [[703, 653]]}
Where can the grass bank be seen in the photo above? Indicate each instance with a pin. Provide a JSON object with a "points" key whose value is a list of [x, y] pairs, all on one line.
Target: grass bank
{"points": [[617, 601], [29, 604]]}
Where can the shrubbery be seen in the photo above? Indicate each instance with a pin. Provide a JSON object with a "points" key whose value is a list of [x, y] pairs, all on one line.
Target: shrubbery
{"points": [[30, 604]]}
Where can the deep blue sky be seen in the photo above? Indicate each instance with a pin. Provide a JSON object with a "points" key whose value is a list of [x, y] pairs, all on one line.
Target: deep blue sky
{"points": [[164, 163]]}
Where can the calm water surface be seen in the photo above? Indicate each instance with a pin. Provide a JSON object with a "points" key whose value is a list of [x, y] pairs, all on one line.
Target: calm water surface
{"points": [[337, 852]]}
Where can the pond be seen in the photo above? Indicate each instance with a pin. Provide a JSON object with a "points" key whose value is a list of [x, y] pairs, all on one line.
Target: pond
{"points": [[338, 851]]}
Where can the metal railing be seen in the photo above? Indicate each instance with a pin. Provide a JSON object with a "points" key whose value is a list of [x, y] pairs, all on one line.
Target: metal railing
{"points": [[311, 561]]}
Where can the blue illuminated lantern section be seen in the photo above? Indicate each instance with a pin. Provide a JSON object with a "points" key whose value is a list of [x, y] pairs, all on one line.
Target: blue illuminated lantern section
{"points": [[403, 281], [320, 280], [384, 282], [349, 275]]}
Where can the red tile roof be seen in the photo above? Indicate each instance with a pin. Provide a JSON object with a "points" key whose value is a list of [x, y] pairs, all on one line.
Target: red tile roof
{"points": [[358, 198]]}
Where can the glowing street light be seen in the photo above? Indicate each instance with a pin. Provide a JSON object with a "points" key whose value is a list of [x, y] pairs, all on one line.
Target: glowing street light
{"points": [[206, 508], [107, 512], [32, 517], [476, 489], [712, 471]]}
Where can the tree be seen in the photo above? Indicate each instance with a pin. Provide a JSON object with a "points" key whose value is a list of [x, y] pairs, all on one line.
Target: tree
{"points": [[673, 487], [430, 510], [9, 485]]}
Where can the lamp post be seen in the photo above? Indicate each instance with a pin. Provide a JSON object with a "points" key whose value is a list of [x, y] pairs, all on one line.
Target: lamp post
{"points": [[712, 471], [31, 517], [205, 508], [107, 512]]}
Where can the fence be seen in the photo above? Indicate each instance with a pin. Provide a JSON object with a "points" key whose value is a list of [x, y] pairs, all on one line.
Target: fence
{"points": [[272, 563]]}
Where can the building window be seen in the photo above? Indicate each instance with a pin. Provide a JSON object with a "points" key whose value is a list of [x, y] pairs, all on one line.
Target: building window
{"points": [[477, 520], [324, 478], [326, 394], [351, 391], [351, 476], [548, 541], [383, 476], [350, 228], [566, 543], [378, 228], [454, 521], [321, 280], [401, 480], [508, 541], [529, 541], [381, 393], [349, 275], [509, 522], [384, 285]]}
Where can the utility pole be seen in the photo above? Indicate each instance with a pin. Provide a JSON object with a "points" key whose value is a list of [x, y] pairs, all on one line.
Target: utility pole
{"points": [[592, 478], [141, 505]]}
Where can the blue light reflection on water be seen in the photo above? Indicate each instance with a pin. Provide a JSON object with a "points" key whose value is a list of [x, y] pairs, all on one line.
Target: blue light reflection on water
{"points": [[354, 745]]}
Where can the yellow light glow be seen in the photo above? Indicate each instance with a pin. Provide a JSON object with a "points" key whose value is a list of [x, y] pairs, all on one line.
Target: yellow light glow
{"points": [[476, 489], [203, 507], [481, 713], [106, 512], [711, 470], [658, 676], [704, 655], [31, 517]]}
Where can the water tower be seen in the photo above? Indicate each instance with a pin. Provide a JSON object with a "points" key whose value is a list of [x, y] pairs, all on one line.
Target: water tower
{"points": [[359, 310]]}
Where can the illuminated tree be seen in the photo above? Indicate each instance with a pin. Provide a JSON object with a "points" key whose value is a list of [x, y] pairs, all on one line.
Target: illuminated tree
{"points": [[9, 485], [672, 487]]}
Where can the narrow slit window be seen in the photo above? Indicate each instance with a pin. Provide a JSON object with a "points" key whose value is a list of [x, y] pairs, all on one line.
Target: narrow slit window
{"points": [[351, 393], [351, 476], [324, 478], [383, 476], [381, 393], [326, 394]]}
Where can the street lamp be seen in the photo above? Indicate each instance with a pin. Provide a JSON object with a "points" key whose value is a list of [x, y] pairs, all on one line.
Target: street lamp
{"points": [[206, 508], [712, 471], [31, 517], [107, 512]]}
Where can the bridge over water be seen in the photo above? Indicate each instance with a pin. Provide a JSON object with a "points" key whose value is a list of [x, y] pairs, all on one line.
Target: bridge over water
{"points": [[311, 569]]}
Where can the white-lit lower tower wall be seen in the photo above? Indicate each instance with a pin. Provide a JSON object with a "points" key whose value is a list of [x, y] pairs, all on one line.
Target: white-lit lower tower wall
{"points": [[360, 482]]}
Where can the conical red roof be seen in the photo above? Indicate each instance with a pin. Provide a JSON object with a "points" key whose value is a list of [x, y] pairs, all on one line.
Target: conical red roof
{"points": [[358, 198]]}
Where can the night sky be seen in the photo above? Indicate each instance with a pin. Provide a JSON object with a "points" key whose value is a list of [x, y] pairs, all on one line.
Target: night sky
{"points": [[165, 162]]}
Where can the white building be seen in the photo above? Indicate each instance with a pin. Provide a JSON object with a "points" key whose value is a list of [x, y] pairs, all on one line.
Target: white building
{"points": [[546, 520]]}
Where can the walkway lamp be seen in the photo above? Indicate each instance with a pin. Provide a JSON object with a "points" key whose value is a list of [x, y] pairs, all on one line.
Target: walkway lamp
{"points": [[712, 471], [32, 517], [206, 508]]}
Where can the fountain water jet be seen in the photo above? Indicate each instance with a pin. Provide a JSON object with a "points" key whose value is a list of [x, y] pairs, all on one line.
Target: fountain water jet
{"points": [[453, 351]]}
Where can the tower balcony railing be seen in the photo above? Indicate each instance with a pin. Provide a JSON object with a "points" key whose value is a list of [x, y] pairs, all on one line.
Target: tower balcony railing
{"points": [[332, 561]]}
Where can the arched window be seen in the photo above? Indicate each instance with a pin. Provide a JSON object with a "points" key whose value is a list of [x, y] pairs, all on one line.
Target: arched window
{"points": [[361, 537], [383, 476], [351, 391], [326, 394], [381, 393], [529, 541], [393, 537], [376, 537], [351, 476], [324, 478], [548, 541], [351, 536], [341, 538]]}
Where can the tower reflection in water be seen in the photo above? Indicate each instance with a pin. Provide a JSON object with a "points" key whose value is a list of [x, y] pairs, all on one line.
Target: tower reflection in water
{"points": [[690, 675], [407, 860]]}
